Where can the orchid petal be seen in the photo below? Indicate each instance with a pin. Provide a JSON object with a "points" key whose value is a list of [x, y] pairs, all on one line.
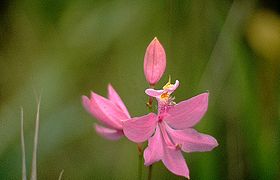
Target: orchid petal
{"points": [[191, 140], [172, 158], [94, 110], [188, 113], [168, 142], [107, 133], [139, 129], [86, 103], [175, 162], [115, 98], [153, 92], [154, 151], [109, 109], [173, 87]]}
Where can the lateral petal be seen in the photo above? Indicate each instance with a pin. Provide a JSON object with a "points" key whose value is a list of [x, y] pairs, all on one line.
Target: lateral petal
{"points": [[191, 140], [175, 162], [154, 151], [86, 103], [139, 129], [109, 109], [108, 133], [171, 157], [115, 98], [188, 113], [94, 110]]}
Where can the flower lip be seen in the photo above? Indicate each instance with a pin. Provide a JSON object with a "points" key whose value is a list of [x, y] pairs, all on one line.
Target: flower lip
{"points": [[170, 88], [163, 94], [153, 92]]}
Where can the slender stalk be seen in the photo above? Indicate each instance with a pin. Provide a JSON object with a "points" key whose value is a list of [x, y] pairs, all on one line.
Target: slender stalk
{"points": [[140, 160], [22, 146], [150, 172], [35, 145], [60, 175], [149, 104]]}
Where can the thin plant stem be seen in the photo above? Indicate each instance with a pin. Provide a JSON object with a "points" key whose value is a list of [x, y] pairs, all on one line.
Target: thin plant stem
{"points": [[60, 175], [22, 145], [140, 160], [35, 145], [150, 172]]}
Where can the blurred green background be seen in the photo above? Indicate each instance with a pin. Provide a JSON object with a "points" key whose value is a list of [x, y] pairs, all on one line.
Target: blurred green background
{"points": [[63, 49]]}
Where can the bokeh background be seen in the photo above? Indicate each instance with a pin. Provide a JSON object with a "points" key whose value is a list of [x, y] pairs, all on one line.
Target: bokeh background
{"points": [[64, 49]]}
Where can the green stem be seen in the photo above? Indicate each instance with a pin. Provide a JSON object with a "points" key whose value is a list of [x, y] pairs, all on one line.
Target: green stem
{"points": [[140, 161], [150, 172], [149, 104]]}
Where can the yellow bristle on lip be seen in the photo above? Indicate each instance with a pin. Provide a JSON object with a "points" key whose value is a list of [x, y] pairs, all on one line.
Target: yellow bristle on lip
{"points": [[168, 84]]}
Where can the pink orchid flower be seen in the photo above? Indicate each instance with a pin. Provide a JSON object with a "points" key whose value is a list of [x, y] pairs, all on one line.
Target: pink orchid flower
{"points": [[154, 62], [171, 130], [110, 112]]}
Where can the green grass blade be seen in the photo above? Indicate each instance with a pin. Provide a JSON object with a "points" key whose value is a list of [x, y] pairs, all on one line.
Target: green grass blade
{"points": [[60, 175], [35, 145], [22, 146]]}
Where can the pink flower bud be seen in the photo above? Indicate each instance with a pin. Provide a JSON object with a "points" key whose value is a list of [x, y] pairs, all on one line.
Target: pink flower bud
{"points": [[154, 62]]}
